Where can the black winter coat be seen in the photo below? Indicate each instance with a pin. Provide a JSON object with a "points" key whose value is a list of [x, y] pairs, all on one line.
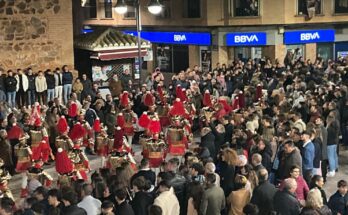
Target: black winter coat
{"points": [[50, 81], [208, 142], [67, 78], [286, 203], [11, 84], [31, 82], [124, 209], [141, 202], [219, 137], [263, 195], [73, 210], [227, 174]]}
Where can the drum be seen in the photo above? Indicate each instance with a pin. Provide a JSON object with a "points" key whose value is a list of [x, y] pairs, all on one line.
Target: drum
{"points": [[101, 141], [36, 136], [110, 142], [143, 139], [21, 152], [175, 136]]}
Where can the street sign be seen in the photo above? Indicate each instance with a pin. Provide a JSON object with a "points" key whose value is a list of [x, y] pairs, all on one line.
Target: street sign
{"points": [[311, 36], [246, 39]]}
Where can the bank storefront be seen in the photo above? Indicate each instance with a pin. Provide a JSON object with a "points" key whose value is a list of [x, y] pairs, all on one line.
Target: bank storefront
{"points": [[247, 44], [296, 42], [171, 49]]}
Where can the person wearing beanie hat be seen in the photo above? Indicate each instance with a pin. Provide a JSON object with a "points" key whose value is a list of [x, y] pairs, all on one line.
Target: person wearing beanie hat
{"points": [[80, 162], [63, 163]]}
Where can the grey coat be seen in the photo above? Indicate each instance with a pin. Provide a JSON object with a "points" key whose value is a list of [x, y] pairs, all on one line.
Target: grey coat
{"points": [[213, 201]]}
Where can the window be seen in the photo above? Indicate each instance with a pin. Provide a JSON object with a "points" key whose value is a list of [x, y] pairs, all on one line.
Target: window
{"points": [[245, 7], [166, 10], [92, 9], [130, 10], [108, 8], [192, 8], [309, 7], [341, 6]]}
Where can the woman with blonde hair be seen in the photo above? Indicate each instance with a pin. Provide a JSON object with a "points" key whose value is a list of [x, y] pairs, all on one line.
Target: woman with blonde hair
{"points": [[314, 204], [239, 198], [229, 162]]}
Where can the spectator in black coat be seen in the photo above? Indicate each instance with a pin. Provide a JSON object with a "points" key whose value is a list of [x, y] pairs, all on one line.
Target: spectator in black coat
{"points": [[87, 86], [263, 194], [142, 200], [51, 84], [207, 141], [11, 88], [2, 86], [227, 170], [228, 128], [69, 198], [31, 87], [219, 133], [264, 149], [285, 202], [67, 79], [122, 206], [146, 172], [338, 202]]}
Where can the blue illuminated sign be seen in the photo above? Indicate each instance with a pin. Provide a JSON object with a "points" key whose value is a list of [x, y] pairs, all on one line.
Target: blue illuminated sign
{"points": [[312, 36], [182, 38], [246, 39]]}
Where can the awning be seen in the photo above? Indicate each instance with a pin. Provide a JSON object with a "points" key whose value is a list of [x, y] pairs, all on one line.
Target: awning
{"points": [[118, 54], [110, 44]]}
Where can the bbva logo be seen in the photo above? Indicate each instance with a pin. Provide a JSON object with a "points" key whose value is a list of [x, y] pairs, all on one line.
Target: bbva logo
{"points": [[179, 37], [245, 38], [310, 36]]}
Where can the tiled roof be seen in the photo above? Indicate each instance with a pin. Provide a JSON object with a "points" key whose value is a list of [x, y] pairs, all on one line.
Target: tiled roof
{"points": [[107, 39]]}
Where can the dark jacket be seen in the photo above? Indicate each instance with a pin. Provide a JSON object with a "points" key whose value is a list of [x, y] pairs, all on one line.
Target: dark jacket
{"points": [[338, 203], [322, 211], [87, 88], [147, 174], [11, 84], [67, 78], [124, 209], [2, 82], [141, 202], [263, 195], [332, 134], [31, 82], [219, 137], [208, 142], [73, 210], [228, 132], [287, 161], [286, 203], [317, 152], [6, 152], [227, 174], [50, 81]]}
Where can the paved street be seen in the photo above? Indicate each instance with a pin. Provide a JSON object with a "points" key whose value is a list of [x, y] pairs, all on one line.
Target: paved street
{"points": [[95, 162]]}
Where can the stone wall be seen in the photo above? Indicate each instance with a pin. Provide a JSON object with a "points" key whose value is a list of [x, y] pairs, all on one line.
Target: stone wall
{"points": [[36, 33]]}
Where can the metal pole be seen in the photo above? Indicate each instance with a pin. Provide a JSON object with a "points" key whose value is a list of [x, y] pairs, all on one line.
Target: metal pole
{"points": [[138, 20]]}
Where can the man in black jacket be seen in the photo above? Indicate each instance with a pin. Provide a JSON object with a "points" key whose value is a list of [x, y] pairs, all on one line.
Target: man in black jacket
{"points": [[69, 199], [2, 87], [142, 200], [122, 206], [67, 83], [11, 87], [31, 93], [285, 202], [51, 85], [263, 194]]}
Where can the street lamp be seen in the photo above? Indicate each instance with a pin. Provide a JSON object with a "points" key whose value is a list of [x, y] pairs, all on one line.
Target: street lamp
{"points": [[154, 7], [121, 7]]}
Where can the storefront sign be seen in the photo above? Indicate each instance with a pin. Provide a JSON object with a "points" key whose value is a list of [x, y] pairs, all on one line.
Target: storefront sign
{"points": [[181, 38], [246, 39], [312, 36]]}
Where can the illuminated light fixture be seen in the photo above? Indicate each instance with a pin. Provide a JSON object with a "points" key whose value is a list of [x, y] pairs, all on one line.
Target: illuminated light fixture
{"points": [[121, 7], [155, 7]]}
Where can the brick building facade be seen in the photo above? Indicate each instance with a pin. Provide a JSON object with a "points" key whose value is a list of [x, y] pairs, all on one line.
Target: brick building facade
{"points": [[36, 33]]}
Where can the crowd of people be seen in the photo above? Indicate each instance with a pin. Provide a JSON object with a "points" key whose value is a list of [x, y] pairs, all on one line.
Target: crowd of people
{"points": [[254, 137]]}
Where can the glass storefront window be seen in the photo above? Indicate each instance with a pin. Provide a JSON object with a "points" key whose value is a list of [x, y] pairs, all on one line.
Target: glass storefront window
{"points": [[325, 51]]}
